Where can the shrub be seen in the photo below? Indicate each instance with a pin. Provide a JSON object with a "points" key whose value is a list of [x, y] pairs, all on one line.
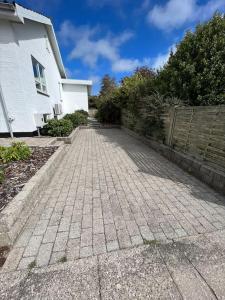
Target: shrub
{"points": [[108, 112], [62, 127], [83, 112], [195, 72], [18, 151], [77, 118]]}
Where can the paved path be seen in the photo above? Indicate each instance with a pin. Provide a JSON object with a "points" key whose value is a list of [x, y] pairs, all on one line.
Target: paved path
{"points": [[192, 268], [112, 192]]}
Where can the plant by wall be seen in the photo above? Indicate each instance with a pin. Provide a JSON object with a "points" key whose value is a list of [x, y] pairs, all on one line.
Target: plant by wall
{"points": [[77, 118], [62, 127]]}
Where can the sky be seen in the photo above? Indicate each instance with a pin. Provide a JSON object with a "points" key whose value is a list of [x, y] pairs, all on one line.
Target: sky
{"points": [[98, 37]]}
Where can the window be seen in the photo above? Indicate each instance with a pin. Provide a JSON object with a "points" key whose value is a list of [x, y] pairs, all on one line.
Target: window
{"points": [[39, 75]]}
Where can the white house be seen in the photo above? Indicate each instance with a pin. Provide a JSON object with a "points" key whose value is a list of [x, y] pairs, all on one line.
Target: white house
{"points": [[33, 82]]}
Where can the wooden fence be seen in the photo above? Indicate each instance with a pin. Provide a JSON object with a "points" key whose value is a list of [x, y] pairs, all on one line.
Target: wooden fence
{"points": [[198, 131]]}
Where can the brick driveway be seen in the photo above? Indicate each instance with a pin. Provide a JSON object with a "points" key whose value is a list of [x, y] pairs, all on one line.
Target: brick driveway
{"points": [[112, 192]]}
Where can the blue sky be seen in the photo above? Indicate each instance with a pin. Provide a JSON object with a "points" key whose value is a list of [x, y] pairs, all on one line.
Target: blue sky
{"points": [[116, 36]]}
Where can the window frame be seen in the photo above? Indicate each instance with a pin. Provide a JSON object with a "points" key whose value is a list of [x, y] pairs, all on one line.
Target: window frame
{"points": [[40, 80]]}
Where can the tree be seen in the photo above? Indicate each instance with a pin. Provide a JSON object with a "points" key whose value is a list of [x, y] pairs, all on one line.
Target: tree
{"points": [[107, 86], [195, 72]]}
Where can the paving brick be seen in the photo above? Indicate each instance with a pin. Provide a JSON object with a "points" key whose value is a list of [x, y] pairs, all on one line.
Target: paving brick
{"points": [[26, 262], [73, 249], [64, 224], [112, 246], [56, 257], [86, 237], [44, 254], [60, 241], [86, 251], [110, 232], [33, 246], [50, 234]]}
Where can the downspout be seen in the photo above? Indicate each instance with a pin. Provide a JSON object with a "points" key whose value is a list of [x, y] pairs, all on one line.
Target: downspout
{"points": [[5, 112]]}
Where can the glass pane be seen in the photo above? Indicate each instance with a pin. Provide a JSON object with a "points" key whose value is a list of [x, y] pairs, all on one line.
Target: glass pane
{"points": [[38, 85], [42, 74], [35, 68], [44, 89]]}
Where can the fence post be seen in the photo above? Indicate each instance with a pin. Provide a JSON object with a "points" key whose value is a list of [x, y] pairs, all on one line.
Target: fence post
{"points": [[172, 117]]}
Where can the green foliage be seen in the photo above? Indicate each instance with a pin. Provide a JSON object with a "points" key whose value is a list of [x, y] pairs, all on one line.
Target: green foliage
{"points": [[83, 112], [93, 101], [109, 113], [107, 86], [78, 118], [18, 151], [2, 176], [62, 127], [195, 72]]}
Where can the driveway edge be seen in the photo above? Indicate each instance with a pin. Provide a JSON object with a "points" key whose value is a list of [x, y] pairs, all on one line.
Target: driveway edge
{"points": [[15, 215]]}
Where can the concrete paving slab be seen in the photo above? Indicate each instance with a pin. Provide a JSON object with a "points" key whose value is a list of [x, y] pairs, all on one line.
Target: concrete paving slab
{"points": [[133, 274], [78, 280]]}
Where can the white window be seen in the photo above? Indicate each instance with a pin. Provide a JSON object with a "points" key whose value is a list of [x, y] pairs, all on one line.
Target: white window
{"points": [[39, 75]]}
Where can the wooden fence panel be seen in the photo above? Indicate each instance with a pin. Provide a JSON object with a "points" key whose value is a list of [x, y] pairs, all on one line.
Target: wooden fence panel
{"points": [[200, 132]]}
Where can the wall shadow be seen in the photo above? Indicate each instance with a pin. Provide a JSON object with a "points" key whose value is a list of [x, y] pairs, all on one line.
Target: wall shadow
{"points": [[150, 162]]}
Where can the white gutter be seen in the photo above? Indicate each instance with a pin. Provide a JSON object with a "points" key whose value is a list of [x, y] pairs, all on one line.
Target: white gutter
{"points": [[5, 112]]}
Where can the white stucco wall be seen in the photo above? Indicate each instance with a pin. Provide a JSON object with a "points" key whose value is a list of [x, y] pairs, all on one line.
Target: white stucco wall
{"points": [[74, 97], [17, 43]]}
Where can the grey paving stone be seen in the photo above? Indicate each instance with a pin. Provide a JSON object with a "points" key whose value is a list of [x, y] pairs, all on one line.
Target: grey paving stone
{"points": [[61, 241], [86, 237], [26, 262], [50, 234], [56, 257], [44, 254], [33, 246], [112, 246], [86, 252]]}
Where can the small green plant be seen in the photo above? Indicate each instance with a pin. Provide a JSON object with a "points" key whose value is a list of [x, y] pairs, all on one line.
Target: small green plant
{"points": [[62, 127], [32, 265], [77, 118], [63, 259], [150, 242], [2, 176], [17, 151]]}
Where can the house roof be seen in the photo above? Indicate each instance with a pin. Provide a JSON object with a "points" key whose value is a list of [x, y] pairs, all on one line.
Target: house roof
{"points": [[87, 83], [18, 13]]}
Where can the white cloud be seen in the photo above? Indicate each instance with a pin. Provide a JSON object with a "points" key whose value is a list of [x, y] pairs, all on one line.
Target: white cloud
{"points": [[89, 48], [161, 59], [128, 65], [175, 13]]}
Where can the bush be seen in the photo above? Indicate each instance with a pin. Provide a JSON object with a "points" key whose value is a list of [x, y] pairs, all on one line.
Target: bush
{"points": [[83, 112], [77, 118], [195, 72], [18, 151], [62, 127], [108, 112]]}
